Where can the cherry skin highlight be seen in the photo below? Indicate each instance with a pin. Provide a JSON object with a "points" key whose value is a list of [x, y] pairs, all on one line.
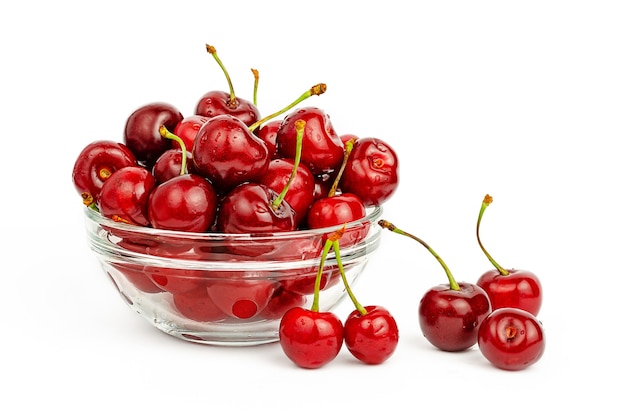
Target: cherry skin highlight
{"points": [[372, 337], [511, 339], [311, 339], [124, 195], [95, 163], [142, 135], [449, 319]]}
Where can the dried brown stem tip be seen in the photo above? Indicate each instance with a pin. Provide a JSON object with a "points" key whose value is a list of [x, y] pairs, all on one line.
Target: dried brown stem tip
{"points": [[488, 199], [318, 89], [210, 49]]}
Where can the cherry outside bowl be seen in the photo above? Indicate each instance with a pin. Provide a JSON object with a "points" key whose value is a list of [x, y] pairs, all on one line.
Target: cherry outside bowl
{"points": [[225, 289]]}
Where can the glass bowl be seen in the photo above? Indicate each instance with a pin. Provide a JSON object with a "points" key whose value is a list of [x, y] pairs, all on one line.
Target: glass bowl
{"points": [[226, 289]]}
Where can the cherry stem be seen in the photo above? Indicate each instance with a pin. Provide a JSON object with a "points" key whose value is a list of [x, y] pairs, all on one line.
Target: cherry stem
{"points": [[389, 226], [356, 303], [167, 134], [486, 202], [348, 150], [232, 101], [318, 89], [299, 124], [315, 306], [256, 85]]}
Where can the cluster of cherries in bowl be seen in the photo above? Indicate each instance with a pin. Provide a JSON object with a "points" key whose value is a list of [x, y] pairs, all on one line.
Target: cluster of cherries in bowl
{"points": [[226, 170]]}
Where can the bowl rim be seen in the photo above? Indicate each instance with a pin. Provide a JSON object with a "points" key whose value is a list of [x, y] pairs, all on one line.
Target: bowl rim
{"points": [[372, 215]]}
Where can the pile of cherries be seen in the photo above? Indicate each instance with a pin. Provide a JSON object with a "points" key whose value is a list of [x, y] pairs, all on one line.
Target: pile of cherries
{"points": [[226, 169]]}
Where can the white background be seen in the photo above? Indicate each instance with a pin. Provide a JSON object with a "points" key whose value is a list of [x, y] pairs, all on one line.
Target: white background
{"points": [[525, 101]]}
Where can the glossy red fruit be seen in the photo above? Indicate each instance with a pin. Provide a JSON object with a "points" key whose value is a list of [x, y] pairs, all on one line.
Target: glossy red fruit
{"points": [[449, 319], [281, 301], [169, 165], [449, 314], [513, 288], [371, 171], [372, 337], [197, 305], [322, 148], [517, 289], [268, 133], [338, 210], [301, 188], [310, 339], [124, 195], [142, 135], [248, 209], [228, 154], [214, 103], [187, 129], [184, 203], [242, 299], [511, 339], [176, 280], [95, 164]]}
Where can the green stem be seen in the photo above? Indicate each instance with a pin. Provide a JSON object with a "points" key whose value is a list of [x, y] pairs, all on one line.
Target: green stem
{"points": [[256, 85], [486, 202], [389, 226], [232, 101], [356, 303], [348, 150], [167, 134], [315, 307], [318, 89], [299, 124]]}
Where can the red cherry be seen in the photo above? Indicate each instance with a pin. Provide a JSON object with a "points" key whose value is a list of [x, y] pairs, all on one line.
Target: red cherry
{"points": [[371, 171], [449, 314], [281, 301], [95, 164], [511, 339], [517, 289], [137, 277], [169, 165], [197, 305], [322, 149], [124, 195], [187, 129], [250, 208], [310, 339], [184, 203], [242, 299], [300, 194], [336, 211], [176, 280], [142, 135], [371, 337], [506, 288], [450, 318], [268, 133], [345, 138], [228, 154], [214, 103]]}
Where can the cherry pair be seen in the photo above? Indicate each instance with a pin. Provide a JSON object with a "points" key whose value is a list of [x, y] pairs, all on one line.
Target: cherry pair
{"points": [[312, 338]]}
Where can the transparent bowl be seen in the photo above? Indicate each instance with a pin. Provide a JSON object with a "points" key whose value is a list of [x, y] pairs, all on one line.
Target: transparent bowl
{"points": [[226, 289]]}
